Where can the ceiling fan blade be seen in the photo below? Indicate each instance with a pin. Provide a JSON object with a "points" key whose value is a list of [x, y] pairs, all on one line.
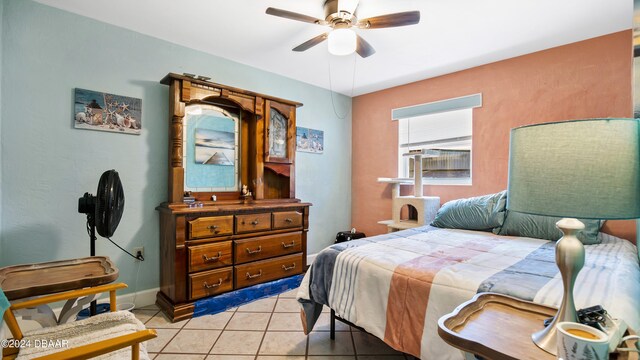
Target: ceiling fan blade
{"points": [[364, 49], [293, 16], [311, 42], [390, 20]]}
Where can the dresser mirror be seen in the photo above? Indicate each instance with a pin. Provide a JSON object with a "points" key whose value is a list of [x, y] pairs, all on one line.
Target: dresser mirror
{"points": [[211, 148]]}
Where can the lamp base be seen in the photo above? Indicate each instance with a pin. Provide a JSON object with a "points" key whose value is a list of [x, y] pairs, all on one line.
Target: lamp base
{"points": [[570, 259]]}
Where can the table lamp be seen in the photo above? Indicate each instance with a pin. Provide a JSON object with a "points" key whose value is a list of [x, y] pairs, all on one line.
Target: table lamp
{"points": [[574, 169]]}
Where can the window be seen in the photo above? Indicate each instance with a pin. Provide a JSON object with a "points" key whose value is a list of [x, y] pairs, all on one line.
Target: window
{"points": [[442, 132]]}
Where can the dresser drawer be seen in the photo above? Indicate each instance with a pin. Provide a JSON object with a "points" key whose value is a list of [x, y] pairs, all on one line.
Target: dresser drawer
{"points": [[253, 222], [287, 219], [267, 270], [210, 226], [210, 256], [211, 282], [265, 247]]}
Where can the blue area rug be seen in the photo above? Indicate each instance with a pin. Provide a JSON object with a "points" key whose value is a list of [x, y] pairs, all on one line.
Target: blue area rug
{"points": [[222, 302]]}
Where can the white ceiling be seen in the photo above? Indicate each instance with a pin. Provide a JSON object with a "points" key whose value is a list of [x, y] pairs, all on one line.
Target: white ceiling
{"points": [[452, 35]]}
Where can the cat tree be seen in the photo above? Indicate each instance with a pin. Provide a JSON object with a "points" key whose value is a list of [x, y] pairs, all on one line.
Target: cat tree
{"points": [[410, 211]]}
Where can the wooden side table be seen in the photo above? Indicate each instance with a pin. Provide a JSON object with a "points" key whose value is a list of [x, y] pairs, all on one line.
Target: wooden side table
{"points": [[499, 327], [24, 281]]}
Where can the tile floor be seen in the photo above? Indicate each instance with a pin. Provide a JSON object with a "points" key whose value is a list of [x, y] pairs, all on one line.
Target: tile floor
{"points": [[267, 329]]}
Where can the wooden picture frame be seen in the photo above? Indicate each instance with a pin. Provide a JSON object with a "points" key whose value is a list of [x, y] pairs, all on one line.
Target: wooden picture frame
{"points": [[279, 126]]}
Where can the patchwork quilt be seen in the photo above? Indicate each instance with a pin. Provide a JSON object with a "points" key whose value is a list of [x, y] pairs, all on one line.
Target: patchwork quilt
{"points": [[396, 286]]}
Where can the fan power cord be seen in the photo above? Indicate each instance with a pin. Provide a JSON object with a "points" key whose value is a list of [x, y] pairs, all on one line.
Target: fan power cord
{"points": [[94, 238], [137, 257]]}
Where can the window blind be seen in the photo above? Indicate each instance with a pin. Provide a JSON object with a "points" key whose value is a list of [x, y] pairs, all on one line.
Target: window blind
{"points": [[435, 129], [463, 102]]}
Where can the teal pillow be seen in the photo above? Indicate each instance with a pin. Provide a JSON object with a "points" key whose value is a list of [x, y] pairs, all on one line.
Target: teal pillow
{"points": [[477, 213], [544, 227]]}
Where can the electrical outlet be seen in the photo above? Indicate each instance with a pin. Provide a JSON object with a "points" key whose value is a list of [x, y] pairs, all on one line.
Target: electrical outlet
{"points": [[138, 251]]}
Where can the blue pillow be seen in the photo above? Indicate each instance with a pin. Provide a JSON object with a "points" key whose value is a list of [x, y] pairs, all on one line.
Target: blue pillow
{"points": [[477, 213], [544, 227]]}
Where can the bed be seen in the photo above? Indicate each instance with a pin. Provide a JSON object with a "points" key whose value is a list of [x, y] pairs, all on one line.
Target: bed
{"points": [[396, 286]]}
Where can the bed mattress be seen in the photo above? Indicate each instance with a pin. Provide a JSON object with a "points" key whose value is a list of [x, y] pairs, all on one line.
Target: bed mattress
{"points": [[396, 286]]}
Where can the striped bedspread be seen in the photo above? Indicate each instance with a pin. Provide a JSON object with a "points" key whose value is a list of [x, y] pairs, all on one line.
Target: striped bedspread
{"points": [[396, 286]]}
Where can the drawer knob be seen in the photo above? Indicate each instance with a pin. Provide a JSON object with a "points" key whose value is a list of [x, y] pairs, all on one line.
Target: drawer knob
{"points": [[206, 286], [213, 258], [249, 276], [288, 220], [285, 268], [285, 246], [255, 222], [259, 249], [213, 228]]}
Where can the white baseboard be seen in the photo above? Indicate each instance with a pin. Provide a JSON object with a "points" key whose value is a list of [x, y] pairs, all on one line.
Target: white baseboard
{"points": [[141, 298], [138, 299]]}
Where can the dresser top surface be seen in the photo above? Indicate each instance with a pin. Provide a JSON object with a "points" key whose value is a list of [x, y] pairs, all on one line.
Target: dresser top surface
{"points": [[211, 207]]}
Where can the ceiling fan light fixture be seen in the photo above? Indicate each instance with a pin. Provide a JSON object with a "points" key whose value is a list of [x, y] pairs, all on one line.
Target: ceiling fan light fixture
{"points": [[348, 5], [340, 16], [342, 42]]}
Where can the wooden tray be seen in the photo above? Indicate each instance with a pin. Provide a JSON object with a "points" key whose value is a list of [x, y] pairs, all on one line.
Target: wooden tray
{"points": [[28, 280], [497, 326]]}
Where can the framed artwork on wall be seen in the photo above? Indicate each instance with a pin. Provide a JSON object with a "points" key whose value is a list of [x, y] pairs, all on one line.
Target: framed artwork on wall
{"points": [[95, 110], [309, 140]]}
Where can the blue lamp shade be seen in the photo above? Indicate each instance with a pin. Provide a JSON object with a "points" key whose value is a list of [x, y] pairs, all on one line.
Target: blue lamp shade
{"points": [[584, 169]]}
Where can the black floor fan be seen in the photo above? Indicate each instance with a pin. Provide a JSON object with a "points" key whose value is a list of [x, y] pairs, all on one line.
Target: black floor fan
{"points": [[104, 211]]}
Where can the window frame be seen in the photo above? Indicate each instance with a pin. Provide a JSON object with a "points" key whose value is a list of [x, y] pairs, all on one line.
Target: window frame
{"points": [[446, 105]]}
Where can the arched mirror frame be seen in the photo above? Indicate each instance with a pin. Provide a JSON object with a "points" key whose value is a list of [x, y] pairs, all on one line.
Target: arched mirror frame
{"points": [[204, 115], [186, 90]]}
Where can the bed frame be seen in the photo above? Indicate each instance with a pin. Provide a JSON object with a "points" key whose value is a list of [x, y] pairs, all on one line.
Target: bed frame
{"points": [[332, 333]]}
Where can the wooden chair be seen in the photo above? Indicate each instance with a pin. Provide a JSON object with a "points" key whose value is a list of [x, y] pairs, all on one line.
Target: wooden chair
{"points": [[108, 332]]}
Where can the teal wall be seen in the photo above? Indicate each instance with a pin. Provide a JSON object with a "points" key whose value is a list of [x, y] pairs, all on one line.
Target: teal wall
{"points": [[47, 164]]}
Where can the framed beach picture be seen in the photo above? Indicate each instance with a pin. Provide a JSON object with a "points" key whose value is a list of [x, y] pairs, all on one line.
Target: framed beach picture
{"points": [[309, 140], [95, 110]]}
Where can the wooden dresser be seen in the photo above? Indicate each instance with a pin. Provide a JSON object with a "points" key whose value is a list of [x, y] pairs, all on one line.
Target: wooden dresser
{"points": [[210, 250], [232, 219]]}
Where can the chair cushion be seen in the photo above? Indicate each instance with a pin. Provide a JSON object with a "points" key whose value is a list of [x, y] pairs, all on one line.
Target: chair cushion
{"points": [[4, 303], [83, 332]]}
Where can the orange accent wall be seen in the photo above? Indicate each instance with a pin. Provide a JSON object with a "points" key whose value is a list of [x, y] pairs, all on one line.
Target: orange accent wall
{"points": [[587, 79]]}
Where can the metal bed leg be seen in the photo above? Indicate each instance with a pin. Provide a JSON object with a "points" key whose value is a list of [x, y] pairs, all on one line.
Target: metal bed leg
{"points": [[332, 334]]}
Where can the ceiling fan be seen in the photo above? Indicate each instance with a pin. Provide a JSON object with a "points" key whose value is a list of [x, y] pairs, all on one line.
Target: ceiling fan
{"points": [[340, 16]]}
